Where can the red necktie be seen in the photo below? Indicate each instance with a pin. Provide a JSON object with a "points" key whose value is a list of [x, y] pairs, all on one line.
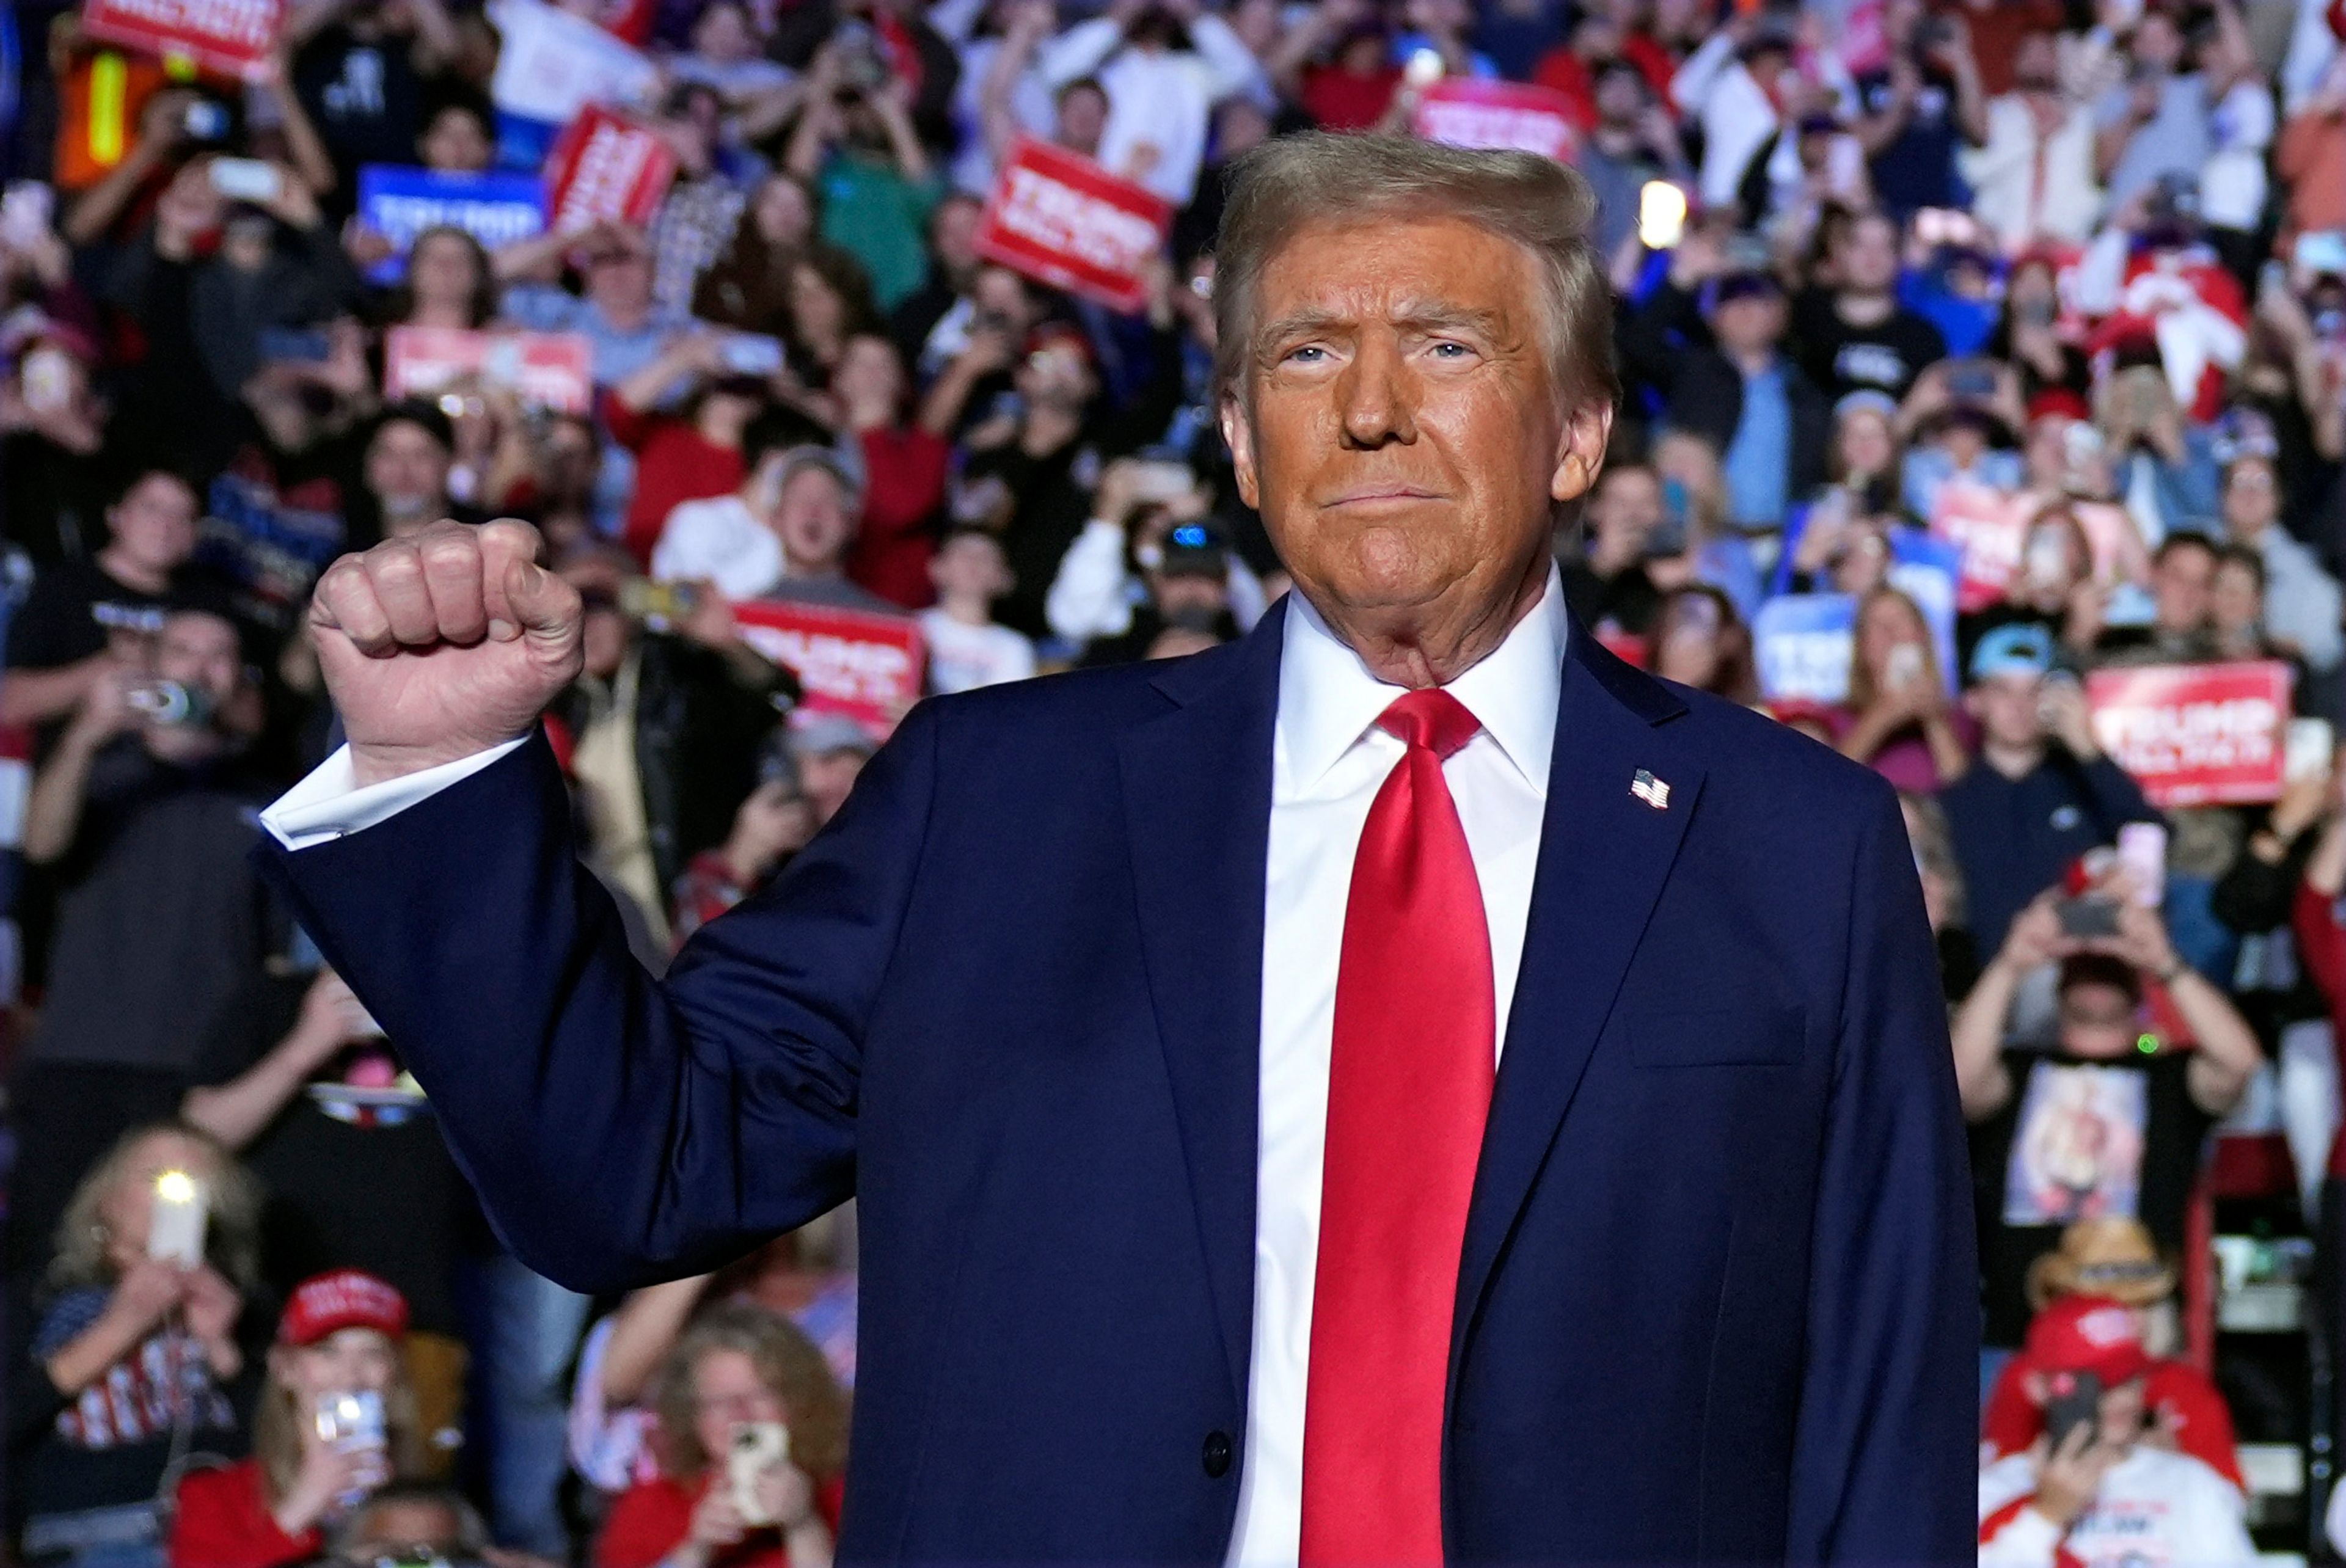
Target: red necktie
{"points": [[1409, 1085]]}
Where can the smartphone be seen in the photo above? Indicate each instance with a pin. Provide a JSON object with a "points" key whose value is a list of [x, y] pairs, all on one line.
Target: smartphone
{"points": [[246, 179], [175, 1234], [2323, 251], [47, 374], [1661, 214], [1156, 480], [25, 213], [2306, 749], [663, 607], [1905, 666], [758, 1447], [2088, 916], [303, 346], [1423, 69], [2142, 854], [752, 354], [205, 121], [2075, 1402], [351, 1420], [1973, 378], [1669, 536]]}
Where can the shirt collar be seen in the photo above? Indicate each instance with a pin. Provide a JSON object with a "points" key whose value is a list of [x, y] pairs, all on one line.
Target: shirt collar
{"points": [[1328, 699]]}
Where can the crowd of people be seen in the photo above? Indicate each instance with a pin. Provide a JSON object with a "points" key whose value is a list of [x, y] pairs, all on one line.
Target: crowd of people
{"points": [[1973, 348]]}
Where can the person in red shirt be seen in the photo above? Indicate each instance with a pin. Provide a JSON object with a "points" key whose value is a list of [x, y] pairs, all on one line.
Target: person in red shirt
{"points": [[737, 1369], [691, 456], [340, 1335], [903, 474], [2117, 1259]]}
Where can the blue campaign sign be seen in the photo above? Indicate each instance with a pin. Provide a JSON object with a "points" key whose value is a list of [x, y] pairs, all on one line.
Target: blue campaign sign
{"points": [[399, 204], [1930, 569], [1802, 644]]}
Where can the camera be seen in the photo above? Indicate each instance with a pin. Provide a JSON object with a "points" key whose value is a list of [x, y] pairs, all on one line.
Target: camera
{"points": [[173, 702]]}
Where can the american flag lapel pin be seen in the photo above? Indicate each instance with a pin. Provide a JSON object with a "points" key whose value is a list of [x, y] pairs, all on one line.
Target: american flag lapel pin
{"points": [[1650, 790]]}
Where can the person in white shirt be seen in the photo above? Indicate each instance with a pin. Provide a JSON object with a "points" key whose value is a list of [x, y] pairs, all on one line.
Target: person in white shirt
{"points": [[784, 534], [1165, 67], [966, 648], [2094, 1492]]}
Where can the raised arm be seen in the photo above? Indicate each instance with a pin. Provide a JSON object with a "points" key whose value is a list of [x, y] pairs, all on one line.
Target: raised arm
{"points": [[721, 1104]]}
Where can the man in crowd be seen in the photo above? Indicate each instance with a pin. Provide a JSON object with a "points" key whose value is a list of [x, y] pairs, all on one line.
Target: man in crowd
{"points": [[1607, 582], [2044, 793], [1855, 335], [2101, 1492]]}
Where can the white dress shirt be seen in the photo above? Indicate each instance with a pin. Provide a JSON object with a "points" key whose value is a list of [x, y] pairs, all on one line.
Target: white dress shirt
{"points": [[1328, 760]]}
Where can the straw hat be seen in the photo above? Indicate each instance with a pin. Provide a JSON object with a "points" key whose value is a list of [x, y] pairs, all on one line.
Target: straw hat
{"points": [[2112, 1258]]}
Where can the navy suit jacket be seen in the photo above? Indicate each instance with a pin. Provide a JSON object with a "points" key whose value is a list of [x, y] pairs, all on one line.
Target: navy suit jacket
{"points": [[1717, 1300]]}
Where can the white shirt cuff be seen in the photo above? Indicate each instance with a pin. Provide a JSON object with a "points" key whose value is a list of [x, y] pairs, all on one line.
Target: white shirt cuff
{"points": [[328, 804]]}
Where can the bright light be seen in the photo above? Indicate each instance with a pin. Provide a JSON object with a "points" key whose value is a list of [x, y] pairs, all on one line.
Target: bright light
{"points": [[1423, 69], [175, 1187], [1661, 214]]}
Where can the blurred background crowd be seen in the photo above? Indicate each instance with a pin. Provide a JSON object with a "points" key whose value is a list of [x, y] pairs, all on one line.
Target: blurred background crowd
{"points": [[1985, 419]]}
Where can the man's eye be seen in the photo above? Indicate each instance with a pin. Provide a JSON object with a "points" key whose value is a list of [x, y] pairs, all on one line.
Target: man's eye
{"points": [[1449, 350], [1304, 354]]}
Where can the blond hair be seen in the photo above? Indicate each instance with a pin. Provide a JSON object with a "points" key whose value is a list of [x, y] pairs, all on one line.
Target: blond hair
{"points": [[282, 1416], [231, 1234], [789, 1366], [1294, 182]]}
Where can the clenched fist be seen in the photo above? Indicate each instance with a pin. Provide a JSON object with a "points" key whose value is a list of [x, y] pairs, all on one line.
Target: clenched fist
{"points": [[443, 644]]}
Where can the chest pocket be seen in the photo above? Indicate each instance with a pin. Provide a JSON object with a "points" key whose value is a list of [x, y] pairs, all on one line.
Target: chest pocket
{"points": [[1753, 1036]]}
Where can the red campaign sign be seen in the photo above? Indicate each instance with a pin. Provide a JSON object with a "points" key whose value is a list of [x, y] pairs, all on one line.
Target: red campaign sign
{"points": [[1513, 117], [1062, 219], [605, 168], [229, 37], [855, 662], [2195, 735], [1990, 527], [544, 370]]}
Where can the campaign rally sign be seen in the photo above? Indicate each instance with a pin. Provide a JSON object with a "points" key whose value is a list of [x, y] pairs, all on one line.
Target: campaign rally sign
{"points": [[544, 370], [229, 37], [1513, 117], [552, 64], [1991, 528], [1802, 644], [2195, 735], [1062, 219], [401, 203], [1930, 572], [606, 168], [866, 666]]}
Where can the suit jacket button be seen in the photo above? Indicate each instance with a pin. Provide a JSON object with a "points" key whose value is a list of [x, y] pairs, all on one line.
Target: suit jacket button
{"points": [[1217, 1455]]}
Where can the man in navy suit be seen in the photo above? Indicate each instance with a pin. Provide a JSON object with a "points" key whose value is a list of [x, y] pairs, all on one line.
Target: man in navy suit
{"points": [[1401, 1087]]}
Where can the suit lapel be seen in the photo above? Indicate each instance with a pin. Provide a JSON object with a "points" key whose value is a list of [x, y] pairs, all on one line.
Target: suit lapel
{"points": [[1196, 793], [1605, 851]]}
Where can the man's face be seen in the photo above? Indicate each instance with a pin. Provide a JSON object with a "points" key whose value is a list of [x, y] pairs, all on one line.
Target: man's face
{"points": [[2252, 496], [1399, 429], [620, 281], [956, 235], [407, 470], [1869, 255], [813, 520], [1057, 375], [200, 650], [155, 522], [2097, 1020], [2237, 603], [1083, 116], [1620, 98], [2157, 45], [1751, 324], [2181, 586], [827, 777], [2006, 708]]}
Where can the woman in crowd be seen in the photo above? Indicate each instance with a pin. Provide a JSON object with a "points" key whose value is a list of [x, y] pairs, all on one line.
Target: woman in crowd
{"points": [[449, 283], [1699, 641], [749, 287], [135, 1357], [738, 1372], [1900, 721], [827, 303], [337, 1419]]}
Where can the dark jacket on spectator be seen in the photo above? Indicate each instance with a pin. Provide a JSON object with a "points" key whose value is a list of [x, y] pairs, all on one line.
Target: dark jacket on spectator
{"points": [[2015, 836], [1667, 347]]}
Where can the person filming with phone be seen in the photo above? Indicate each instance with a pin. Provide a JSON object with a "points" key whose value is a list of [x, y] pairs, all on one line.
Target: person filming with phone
{"points": [[2091, 1492], [2108, 1117]]}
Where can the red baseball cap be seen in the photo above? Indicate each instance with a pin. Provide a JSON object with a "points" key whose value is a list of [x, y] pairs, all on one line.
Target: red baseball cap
{"points": [[2088, 1334], [346, 1299]]}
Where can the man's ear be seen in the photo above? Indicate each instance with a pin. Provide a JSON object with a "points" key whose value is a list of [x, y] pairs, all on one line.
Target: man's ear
{"points": [[1237, 431], [1580, 450]]}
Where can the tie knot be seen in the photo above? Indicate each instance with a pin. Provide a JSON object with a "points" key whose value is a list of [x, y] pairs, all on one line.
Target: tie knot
{"points": [[1432, 718]]}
